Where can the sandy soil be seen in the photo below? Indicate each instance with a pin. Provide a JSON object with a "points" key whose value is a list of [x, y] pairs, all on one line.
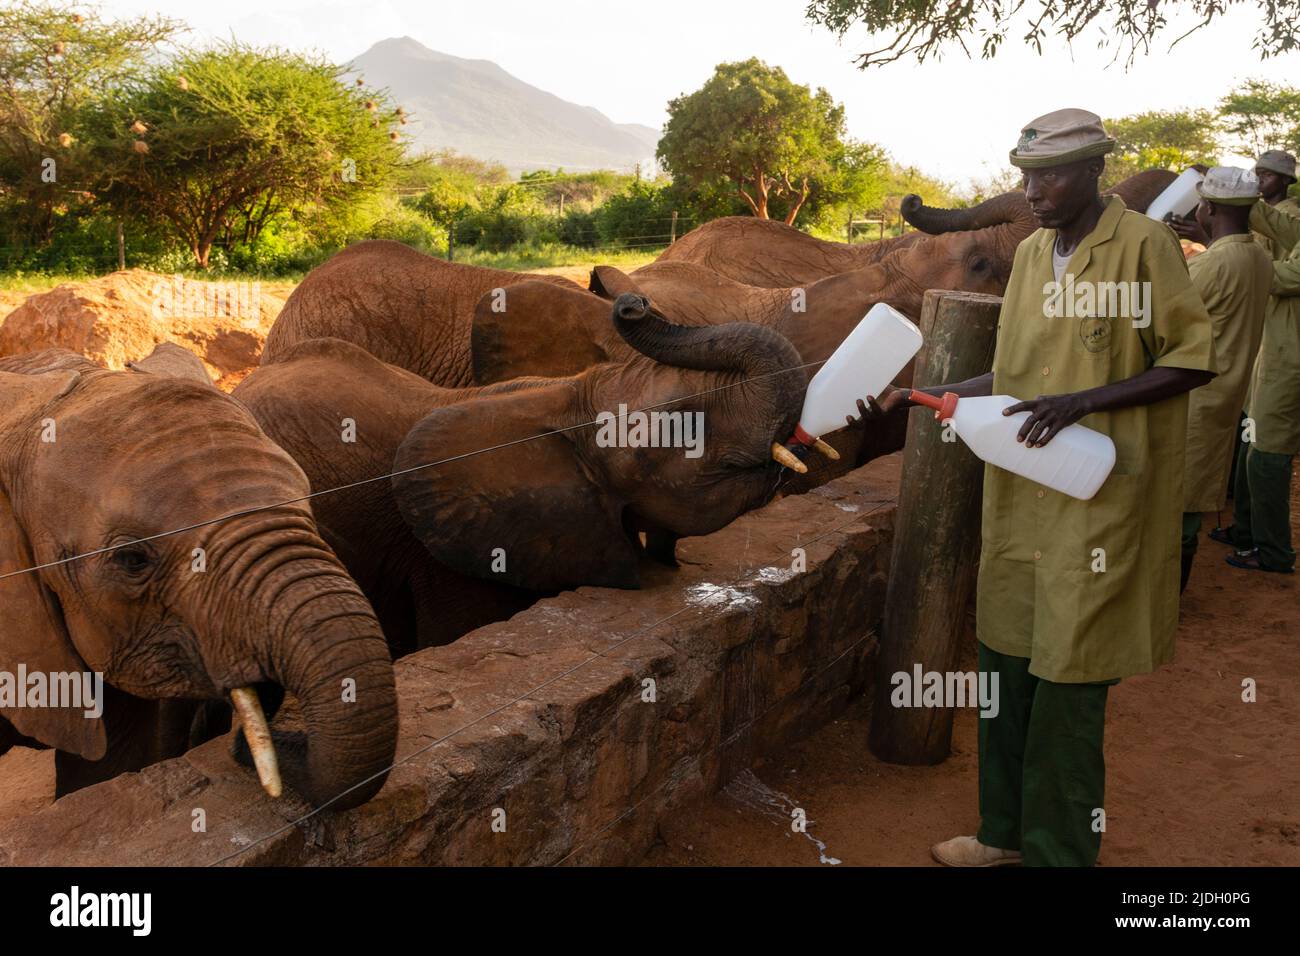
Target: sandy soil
{"points": [[1195, 776], [579, 274]]}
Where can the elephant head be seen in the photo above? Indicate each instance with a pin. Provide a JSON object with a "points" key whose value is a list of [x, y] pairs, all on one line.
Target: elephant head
{"points": [[537, 473], [151, 533]]}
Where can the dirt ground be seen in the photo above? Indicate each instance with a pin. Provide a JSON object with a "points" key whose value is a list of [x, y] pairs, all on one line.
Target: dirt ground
{"points": [[1195, 776], [579, 274]]}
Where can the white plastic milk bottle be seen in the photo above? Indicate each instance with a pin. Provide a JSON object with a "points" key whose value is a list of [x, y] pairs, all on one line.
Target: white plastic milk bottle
{"points": [[866, 361], [1075, 462], [1179, 197]]}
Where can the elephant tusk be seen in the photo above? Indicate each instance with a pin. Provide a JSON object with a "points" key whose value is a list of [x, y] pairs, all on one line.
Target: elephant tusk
{"points": [[786, 457], [826, 450], [258, 735]]}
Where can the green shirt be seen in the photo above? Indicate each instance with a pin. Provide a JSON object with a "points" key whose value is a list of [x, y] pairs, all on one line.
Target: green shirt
{"points": [[1233, 277], [1043, 593], [1274, 402]]}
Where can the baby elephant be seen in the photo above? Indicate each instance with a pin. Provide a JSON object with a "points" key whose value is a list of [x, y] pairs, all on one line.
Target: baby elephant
{"points": [[507, 491], [152, 537]]}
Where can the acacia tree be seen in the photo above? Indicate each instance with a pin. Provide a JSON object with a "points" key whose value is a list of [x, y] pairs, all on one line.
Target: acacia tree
{"points": [[924, 28], [58, 64], [1262, 115], [213, 144], [750, 126], [1171, 139]]}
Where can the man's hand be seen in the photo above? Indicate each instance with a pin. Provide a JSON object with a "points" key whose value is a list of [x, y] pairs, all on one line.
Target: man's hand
{"points": [[876, 409], [1048, 414], [1188, 228]]}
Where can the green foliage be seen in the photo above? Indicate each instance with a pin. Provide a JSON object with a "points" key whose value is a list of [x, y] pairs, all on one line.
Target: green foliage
{"points": [[557, 189], [215, 143], [923, 29], [751, 126], [1172, 139], [58, 65], [639, 217], [1262, 115]]}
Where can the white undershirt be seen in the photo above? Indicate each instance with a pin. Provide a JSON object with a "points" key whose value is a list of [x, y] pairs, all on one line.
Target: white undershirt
{"points": [[1059, 262]]}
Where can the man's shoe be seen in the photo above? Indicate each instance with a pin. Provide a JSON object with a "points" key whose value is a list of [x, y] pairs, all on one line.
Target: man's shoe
{"points": [[1249, 561], [968, 851], [1223, 536]]}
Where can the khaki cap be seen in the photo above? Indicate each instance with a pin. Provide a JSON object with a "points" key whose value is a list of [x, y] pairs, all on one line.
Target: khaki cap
{"points": [[1064, 136], [1230, 186], [1277, 161]]}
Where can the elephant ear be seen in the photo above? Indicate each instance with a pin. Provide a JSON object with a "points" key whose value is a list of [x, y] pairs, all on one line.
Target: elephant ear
{"points": [[173, 361], [609, 283], [539, 328], [525, 512], [32, 634]]}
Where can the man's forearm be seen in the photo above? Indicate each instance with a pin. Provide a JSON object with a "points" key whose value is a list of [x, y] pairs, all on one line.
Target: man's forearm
{"points": [[1276, 225], [1153, 385], [1286, 277], [971, 388]]}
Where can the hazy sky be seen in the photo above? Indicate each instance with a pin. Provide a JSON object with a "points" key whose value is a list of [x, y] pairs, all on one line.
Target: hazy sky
{"points": [[956, 118]]}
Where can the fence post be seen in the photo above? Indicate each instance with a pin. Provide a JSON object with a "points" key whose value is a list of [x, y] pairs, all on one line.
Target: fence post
{"points": [[451, 242], [673, 238], [936, 536], [848, 230], [121, 248]]}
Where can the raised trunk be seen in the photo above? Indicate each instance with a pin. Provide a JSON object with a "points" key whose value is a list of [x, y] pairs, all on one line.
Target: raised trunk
{"points": [[764, 357], [1008, 207]]}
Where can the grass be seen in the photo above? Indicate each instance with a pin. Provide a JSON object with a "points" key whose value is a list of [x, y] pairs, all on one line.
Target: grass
{"points": [[553, 255], [519, 259]]}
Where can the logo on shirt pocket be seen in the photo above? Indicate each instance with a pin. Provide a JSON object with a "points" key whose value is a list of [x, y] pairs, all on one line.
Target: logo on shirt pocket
{"points": [[1095, 333]]}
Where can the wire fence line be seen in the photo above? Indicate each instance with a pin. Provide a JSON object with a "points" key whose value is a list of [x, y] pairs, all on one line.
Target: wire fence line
{"points": [[390, 475]]}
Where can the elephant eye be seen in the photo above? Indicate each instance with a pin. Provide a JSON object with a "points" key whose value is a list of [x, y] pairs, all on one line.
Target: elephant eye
{"points": [[131, 560], [980, 264]]}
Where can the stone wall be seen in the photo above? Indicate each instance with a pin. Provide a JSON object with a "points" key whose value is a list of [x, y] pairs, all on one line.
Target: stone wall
{"points": [[542, 718]]}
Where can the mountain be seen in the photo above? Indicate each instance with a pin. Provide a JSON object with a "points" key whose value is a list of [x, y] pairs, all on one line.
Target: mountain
{"points": [[477, 108]]}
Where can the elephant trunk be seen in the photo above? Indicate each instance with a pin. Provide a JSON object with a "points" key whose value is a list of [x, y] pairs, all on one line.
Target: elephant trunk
{"points": [[995, 211], [316, 636], [334, 660], [766, 360]]}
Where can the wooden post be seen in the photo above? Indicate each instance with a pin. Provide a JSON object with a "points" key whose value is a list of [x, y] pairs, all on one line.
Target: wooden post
{"points": [[121, 247], [936, 536], [673, 235], [451, 242], [848, 230]]}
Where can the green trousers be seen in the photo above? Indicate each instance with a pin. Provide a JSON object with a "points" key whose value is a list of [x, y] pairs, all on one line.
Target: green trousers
{"points": [[1261, 506], [1191, 530], [1042, 773]]}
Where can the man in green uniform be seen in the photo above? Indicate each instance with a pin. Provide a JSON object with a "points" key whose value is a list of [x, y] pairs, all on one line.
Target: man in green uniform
{"points": [[1276, 173], [1261, 496], [1261, 530], [1074, 595], [1233, 277]]}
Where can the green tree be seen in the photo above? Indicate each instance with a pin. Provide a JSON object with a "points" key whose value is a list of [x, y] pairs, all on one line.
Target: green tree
{"points": [[923, 29], [1173, 139], [214, 144], [58, 64], [751, 126], [1262, 115]]}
